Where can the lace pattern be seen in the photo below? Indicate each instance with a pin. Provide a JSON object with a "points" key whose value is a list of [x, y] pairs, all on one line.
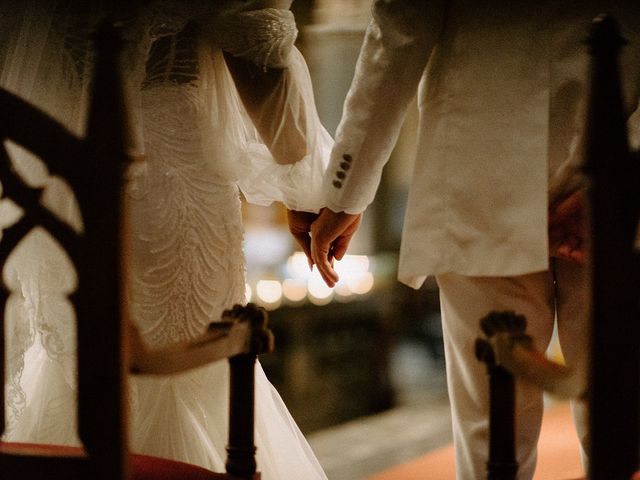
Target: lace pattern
{"points": [[186, 223], [264, 37], [40, 277]]}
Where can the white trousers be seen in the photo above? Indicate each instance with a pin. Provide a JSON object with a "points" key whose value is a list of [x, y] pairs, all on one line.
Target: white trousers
{"points": [[561, 293]]}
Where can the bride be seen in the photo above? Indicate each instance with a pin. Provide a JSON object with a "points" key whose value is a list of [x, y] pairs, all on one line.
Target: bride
{"points": [[220, 101]]}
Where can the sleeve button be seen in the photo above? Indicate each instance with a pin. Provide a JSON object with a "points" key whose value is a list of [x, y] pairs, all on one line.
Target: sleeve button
{"points": [[337, 183], [345, 165], [340, 174], [347, 157]]}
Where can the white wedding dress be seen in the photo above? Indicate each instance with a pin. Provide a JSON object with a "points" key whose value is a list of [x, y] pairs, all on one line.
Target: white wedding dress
{"points": [[187, 265]]}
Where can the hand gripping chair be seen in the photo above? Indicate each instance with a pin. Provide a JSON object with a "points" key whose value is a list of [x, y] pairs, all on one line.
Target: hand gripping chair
{"points": [[108, 346], [611, 388]]}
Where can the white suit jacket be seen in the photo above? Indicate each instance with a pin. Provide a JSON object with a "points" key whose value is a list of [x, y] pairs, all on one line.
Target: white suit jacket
{"points": [[500, 88]]}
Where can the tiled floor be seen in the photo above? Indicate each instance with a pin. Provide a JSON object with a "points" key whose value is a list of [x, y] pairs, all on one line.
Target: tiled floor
{"points": [[421, 422]]}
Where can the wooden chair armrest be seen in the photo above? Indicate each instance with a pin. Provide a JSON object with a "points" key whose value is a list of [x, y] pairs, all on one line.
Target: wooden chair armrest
{"points": [[226, 340], [518, 355], [242, 330], [507, 345]]}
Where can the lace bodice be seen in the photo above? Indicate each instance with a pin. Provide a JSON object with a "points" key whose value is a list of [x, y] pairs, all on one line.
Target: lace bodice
{"points": [[264, 37], [187, 262]]}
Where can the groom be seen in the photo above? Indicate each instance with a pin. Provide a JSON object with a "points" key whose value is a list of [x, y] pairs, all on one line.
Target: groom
{"points": [[495, 208]]}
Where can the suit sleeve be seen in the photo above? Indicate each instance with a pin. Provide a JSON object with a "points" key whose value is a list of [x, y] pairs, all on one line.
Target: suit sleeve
{"points": [[395, 52]]}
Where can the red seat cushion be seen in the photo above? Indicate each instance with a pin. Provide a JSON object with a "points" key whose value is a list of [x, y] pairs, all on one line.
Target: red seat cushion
{"points": [[154, 468], [144, 467]]}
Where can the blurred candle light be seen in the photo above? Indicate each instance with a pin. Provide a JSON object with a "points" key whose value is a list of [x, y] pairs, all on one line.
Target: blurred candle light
{"points": [[319, 293], [269, 292], [353, 270], [298, 266], [362, 283], [352, 264], [342, 288], [355, 277], [294, 290]]}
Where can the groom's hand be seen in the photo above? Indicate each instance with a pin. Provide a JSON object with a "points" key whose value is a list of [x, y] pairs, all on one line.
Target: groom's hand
{"points": [[330, 237]]}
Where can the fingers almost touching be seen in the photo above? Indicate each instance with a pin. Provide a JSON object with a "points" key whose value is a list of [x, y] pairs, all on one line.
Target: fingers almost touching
{"points": [[330, 236]]}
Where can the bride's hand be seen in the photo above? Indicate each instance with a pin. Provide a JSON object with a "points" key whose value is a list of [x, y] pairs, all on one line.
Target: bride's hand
{"points": [[300, 227]]}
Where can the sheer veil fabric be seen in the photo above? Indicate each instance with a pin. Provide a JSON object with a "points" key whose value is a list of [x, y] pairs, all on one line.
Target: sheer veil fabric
{"points": [[199, 148]]}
